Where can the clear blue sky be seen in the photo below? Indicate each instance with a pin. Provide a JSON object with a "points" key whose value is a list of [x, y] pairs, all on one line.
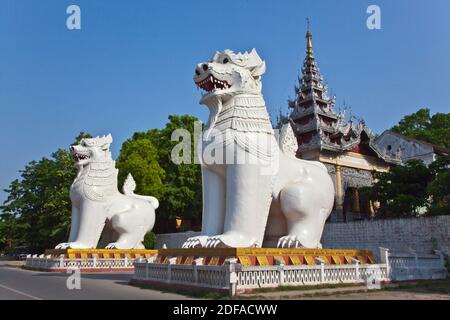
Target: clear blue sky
{"points": [[131, 65]]}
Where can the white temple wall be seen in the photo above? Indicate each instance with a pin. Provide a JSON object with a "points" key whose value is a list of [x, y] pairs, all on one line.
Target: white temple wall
{"points": [[404, 148], [399, 235]]}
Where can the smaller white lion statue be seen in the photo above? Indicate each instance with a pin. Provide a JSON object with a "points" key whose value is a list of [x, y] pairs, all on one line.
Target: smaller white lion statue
{"points": [[96, 201]]}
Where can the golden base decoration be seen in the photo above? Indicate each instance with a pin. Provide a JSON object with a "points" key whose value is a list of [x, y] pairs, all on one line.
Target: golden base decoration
{"points": [[265, 256], [217, 256], [101, 253]]}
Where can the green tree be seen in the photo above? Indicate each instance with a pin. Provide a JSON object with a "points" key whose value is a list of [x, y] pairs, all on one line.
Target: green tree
{"points": [[178, 185], [402, 192], [422, 126], [439, 187], [183, 189], [139, 157], [3, 240], [37, 210], [149, 240]]}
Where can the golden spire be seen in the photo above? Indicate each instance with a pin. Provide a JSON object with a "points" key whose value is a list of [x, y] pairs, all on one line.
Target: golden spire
{"points": [[309, 47]]}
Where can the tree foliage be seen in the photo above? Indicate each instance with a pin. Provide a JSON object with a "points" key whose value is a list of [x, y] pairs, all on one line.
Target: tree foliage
{"points": [[401, 192], [140, 158], [421, 125], [149, 240], [147, 155], [414, 189], [439, 188]]}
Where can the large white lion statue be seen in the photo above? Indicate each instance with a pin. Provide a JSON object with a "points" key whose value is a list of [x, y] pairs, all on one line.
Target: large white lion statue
{"points": [[96, 201], [252, 189]]}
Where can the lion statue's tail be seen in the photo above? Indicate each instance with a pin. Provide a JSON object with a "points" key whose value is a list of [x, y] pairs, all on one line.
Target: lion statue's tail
{"points": [[128, 189]]}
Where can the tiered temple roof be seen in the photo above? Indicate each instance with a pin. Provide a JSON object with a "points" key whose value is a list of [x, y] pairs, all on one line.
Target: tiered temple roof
{"points": [[316, 123]]}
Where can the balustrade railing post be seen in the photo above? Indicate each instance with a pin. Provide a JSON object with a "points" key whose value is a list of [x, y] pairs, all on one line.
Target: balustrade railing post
{"points": [[232, 267], [282, 274], [322, 269], [172, 261], [195, 264], [48, 261], [61, 261], [384, 255], [94, 262], [147, 263], [280, 268], [357, 272]]}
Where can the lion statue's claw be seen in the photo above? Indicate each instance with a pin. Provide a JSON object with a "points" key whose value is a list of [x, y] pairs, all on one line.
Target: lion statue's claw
{"points": [[64, 245], [112, 245], [72, 245], [195, 242], [289, 242], [230, 241]]}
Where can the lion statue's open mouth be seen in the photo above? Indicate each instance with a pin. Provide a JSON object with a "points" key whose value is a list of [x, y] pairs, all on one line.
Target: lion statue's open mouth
{"points": [[228, 74], [79, 157], [211, 83]]}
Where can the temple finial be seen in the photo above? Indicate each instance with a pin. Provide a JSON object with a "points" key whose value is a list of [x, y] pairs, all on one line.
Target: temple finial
{"points": [[309, 48]]}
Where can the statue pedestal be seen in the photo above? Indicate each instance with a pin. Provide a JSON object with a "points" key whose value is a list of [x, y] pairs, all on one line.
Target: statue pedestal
{"points": [[264, 256], [87, 260]]}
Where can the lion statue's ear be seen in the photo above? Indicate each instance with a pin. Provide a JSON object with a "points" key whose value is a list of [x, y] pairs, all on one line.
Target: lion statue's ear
{"points": [[108, 138], [259, 70], [105, 142], [255, 64]]}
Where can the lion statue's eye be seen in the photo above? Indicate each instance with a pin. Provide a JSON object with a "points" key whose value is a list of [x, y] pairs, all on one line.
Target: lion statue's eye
{"points": [[225, 60]]}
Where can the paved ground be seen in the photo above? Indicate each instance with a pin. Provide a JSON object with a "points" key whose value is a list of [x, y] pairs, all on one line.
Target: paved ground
{"points": [[19, 284], [418, 290], [342, 295], [387, 295], [16, 283]]}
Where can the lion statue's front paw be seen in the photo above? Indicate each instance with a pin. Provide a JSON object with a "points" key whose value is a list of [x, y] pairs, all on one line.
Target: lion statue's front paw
{"points": [[64, 245], [113, 245], [195, 242], [72, 245], [216, 242], [235, 240], [289, 242]]}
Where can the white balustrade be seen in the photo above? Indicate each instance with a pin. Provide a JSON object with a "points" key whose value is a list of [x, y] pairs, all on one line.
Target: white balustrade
{"points": [[235, 277], [79, 263], [410, 266]]}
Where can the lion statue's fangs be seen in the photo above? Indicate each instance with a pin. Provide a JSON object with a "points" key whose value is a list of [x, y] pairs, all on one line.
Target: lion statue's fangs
{"points": [[273, 195], [96, 201]]}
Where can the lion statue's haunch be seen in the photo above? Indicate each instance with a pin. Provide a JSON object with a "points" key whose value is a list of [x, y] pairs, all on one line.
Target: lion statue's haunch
{"points": [[96, 201], [258, 192]]}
